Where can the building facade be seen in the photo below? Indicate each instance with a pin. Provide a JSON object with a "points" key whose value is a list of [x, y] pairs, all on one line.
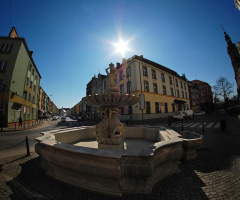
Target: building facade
{"points": [[95, 86], [19, 80], [162, 90], [194, 97], [205, 95]]}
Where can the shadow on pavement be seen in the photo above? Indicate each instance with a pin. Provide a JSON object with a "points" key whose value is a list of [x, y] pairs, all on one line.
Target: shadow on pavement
{"points": [[33, 183]]}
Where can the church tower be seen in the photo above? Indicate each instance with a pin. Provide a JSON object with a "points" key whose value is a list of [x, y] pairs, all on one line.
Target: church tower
{"points": [[233, 52]]}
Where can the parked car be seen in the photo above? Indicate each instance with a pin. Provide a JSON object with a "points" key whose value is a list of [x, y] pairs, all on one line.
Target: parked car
{"points": [[183, 114], [233, 110], [63, 119]]}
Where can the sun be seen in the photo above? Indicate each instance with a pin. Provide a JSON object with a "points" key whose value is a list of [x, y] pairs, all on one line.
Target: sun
{"points": [[121, 47]]}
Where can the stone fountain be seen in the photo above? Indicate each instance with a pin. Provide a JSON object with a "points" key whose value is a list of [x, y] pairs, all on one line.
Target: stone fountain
{"points": [[125, 159], [110, 131]]}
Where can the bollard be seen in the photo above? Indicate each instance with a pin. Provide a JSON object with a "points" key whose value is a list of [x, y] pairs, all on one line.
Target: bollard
{"points": [[32, 123], [24, 125], [223, 124], [27, 146], [203, 127], [15, 126]]}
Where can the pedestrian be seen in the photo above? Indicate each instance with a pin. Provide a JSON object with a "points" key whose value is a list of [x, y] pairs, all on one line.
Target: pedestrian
{"points": [[20, 121]]}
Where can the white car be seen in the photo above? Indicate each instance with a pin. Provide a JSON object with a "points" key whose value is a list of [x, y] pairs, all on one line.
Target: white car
{"points": [[183, 114], [55, 117]]}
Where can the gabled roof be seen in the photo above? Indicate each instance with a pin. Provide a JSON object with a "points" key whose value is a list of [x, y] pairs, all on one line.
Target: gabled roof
{"points": [[14, 36], [13, 33]]}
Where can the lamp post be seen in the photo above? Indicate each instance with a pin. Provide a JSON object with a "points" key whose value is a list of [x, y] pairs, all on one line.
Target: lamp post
{"points": [[4, 86]]}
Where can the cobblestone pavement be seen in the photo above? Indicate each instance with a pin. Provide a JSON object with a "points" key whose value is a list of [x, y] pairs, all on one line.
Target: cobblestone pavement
{"points": [[215, 174]]}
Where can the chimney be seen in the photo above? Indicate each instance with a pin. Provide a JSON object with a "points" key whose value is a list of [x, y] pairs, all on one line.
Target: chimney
{"points": [[31, 53]]}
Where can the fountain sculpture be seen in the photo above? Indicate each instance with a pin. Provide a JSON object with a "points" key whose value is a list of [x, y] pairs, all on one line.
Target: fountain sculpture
{"points": [[110, 131], [125, 159]]}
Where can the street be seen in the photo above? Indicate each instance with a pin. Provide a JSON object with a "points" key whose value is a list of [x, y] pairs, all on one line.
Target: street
{"points": [[13, 143]]}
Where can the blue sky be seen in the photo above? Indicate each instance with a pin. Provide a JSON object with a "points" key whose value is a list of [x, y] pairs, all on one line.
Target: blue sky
{"points": [[70, 38]]}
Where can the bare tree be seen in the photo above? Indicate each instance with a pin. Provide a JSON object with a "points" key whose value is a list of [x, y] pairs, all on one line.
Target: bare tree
{"points": [[223, 89]]}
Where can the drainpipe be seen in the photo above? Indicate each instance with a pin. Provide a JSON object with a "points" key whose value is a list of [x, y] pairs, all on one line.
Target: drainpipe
{"points": [[141, 87]]}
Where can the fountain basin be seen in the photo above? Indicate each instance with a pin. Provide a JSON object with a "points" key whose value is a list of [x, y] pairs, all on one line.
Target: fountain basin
{"points": [[150, 154], [191, 141]]}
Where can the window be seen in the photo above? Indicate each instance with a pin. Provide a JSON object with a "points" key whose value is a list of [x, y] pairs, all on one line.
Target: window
{"points": [[172, 92], [146, 88], [29, 97], [33, 72], [6, 47], [24, 109], [3, 65], [121, 75], [182, 94], [30, 68], [163, 77], [176, 82], [153, 74], [34, 88], [148, 109], [164, 90], [31, 84], [129, 87], [181, 84], [170, 80], [185, 95], [144, 68], [27, 81], [36, 77], [185, 86], [155, 90], [203, 87], [32, 111], [128, 71], [121, 89], [33, 98], [178, 93], [25, 94], [157, 107]]}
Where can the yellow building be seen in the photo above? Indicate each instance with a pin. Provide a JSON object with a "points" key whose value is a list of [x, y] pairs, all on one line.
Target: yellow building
{"points": [[162, 90]]}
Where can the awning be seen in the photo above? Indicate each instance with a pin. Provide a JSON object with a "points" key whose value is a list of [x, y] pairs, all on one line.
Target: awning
{"points": [[179, 101], [16, 106]]}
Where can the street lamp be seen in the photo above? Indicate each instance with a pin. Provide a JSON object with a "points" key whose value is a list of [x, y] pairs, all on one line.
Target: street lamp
{"points": [[4, 86]]}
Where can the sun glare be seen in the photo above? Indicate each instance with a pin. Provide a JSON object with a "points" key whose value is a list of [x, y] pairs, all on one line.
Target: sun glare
{"points": [[121, 47]]}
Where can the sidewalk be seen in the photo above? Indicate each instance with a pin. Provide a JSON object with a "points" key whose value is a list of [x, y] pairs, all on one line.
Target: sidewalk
{"points": [[26, 125], [215, 174]]}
